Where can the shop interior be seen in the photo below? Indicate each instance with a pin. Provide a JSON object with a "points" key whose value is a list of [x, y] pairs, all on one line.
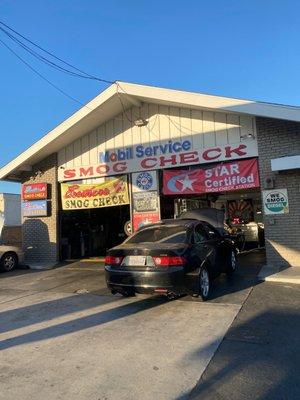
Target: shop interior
{"points": [[89, 233], [243, 212]]}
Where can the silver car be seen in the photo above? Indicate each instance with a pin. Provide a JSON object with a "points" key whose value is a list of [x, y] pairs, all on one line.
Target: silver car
{"points": [[10, 257]]}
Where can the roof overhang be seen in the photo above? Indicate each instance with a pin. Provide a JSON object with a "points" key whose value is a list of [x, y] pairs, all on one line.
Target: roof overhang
{"points": [[107, 105]]}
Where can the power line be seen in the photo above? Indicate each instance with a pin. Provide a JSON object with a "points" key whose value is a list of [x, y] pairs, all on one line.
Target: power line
{"points": [[85, 74], [46, 79], [123, 107], [40, 57], [42, 76], [52, 64]]}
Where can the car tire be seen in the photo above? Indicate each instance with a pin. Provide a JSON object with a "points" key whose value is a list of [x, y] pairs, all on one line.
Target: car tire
{"points": [[127, 293], [8, 262], [232, 263], [203, 284]]}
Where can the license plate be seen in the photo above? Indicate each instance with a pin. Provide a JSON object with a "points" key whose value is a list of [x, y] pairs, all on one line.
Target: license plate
{"points": [[136, 260]]}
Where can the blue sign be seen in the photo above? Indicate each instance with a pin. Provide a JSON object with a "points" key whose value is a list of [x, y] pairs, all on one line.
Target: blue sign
{"points": [[140, 151], [144, 181], [37, 208]]}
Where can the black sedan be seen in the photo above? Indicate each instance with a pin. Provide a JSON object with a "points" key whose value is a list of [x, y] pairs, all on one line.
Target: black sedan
{"points": [[170, 257]]}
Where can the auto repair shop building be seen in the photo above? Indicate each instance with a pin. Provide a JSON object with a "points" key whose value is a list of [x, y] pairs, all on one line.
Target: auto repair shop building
{"points": [[139, 153]]}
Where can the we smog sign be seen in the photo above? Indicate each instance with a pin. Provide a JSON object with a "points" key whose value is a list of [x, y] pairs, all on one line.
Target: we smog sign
{"points": [[276, 201]]}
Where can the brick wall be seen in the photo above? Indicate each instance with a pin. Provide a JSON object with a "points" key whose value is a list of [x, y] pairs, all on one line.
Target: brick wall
{"points": [[277, 138], [40, 234]]}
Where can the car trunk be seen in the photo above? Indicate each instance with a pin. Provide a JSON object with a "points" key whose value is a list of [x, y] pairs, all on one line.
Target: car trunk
{"points": [[140, 255]]}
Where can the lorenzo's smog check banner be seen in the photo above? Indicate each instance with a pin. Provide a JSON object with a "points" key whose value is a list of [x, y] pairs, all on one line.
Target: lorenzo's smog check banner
{"points": [[81, 196]]}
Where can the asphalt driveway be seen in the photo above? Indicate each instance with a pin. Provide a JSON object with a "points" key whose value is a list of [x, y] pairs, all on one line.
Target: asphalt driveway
{"points": [[64, 336]]}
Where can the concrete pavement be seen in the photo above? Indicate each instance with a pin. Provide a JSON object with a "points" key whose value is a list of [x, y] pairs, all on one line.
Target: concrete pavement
{"points": [[280, 275], [259, 357], [59, 344]]}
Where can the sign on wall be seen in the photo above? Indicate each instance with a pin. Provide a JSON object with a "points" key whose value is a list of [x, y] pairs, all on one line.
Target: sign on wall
{"points": [[37, 208], [145, 201], [83, 196], [34, 191], [275, 201], [144, 181], [241, 174], [169, 154], [145, 207], [145, 218]]}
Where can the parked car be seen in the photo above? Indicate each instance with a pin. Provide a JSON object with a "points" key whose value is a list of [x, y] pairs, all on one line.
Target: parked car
{"points": [[172, 257], [217, 219], [10, 257]]}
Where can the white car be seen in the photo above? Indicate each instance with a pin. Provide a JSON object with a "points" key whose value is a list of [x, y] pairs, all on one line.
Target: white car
{"points": [[10, 257]]}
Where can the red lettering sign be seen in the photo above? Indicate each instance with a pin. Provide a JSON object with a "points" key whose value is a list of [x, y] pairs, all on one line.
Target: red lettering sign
{"points": [[126, 161], [144, 218], [239, 151], [222, 177], [34, 191], [211, 154]]}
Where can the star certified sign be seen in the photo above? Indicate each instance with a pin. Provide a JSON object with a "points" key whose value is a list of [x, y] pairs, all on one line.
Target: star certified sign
{"points": [[235, 175], [181, 183], [144, 181], [187, 183]]}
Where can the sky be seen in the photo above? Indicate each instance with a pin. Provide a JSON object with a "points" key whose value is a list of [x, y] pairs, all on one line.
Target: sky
{"points": [[237, 48]]}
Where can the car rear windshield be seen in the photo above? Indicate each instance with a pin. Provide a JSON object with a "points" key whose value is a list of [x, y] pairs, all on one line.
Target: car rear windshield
{"points": [[161, 234]]}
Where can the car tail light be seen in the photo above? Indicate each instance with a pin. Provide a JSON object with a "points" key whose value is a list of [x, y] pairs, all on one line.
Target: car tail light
{"points": [[166, 261], [112, 260]]}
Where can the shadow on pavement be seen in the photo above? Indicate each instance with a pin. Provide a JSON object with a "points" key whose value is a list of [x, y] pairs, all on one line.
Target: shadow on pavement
{"points": [[259, 357], [48, 310], [79, 324]]}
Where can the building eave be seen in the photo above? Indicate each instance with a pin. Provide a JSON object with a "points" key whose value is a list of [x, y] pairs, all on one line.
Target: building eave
{"points": [[107, 104]]}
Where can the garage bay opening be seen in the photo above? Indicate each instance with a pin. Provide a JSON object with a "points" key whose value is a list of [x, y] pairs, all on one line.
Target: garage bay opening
{"points": [[93, 216], [89, 233]]}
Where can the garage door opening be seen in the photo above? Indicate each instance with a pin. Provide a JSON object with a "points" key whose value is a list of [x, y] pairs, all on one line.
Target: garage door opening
{"points": [[243, 212], [89, 233]]}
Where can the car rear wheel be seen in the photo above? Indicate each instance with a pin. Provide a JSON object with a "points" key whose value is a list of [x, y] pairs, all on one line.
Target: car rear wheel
{"points": [[9, 261], [127, 293], [203, 284], [232, 263]]}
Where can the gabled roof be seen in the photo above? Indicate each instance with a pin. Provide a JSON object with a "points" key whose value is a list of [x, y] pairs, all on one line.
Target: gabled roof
{"points": [[107, 104]]}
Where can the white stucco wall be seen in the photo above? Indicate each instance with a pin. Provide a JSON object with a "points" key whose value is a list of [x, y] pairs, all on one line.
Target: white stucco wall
{"points": [[204, 128], [10, 209]]}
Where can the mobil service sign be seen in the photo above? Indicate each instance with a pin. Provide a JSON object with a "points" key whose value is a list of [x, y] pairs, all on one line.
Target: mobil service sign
{"points": [[161, 155]]}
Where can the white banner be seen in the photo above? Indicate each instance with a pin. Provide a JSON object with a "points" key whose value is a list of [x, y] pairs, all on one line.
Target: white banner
{"points": [[169, 154]]}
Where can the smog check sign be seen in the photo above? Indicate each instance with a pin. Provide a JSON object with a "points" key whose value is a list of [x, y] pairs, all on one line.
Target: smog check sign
{"points": [[276, 201], [170, 154]]}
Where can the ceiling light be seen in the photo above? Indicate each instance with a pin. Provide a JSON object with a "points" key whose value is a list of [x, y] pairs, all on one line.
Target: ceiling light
{"points": [[248, 136], [140, 122]]}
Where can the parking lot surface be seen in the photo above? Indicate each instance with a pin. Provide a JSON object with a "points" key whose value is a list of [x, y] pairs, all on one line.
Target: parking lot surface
{"points": [[259, 357], [64, 336]]}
